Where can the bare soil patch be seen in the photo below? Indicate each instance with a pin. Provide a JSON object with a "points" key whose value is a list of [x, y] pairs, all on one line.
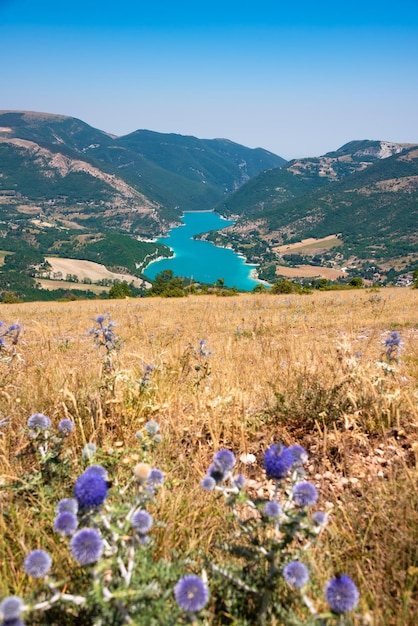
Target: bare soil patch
{"points": [[309, 271], [310, 245], [87, 269]]}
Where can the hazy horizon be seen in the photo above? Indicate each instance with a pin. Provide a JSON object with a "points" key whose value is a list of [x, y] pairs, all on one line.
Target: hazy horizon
{"points": [[295, 80]]}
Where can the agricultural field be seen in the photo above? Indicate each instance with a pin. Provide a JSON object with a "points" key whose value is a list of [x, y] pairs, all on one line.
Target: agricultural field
{"points": [[176, 381]]}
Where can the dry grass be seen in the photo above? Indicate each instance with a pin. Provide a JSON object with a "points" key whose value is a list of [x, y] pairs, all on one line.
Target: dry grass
{"points": [[290, 368]]}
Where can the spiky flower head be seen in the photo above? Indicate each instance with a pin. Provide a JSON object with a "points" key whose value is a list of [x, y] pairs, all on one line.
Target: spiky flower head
{"points": [[300, 456], [191, 593], [90, 489], [11, 607], [320, 518], [341, 594], [37, 564], [155, 478], [89, 451], [66, 426], [296, 574], [273, 509], [67, 504], [66, 523], [86, 546], [142, 521], [152, 427], [239, 481], [96, 469], [277, 461], [208, 483], [305, 494], [142, 472], [39, 421], [224, 460]]}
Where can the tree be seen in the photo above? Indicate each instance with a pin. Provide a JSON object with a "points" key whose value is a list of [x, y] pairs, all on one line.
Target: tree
{"points": [[415, 279], [120, 290]]}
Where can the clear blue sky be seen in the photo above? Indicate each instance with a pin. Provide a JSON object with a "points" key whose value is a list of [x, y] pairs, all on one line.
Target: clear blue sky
{"points": [[297, 78]]}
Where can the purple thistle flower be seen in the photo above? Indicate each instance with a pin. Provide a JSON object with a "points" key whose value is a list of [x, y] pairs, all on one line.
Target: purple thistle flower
{"points": [[155, 478], [11, 607], [152, 427], [320, 518], [208, 483], [341, 594], [216, 473], [224, 460], [277, 461], [191, 593], [142, 521], [90, 490], [296, 574], [89, 450], [69, 505], [96, 469], [37, 564], [86, 546], [66, 426], [273, 509], [66, 523], [300, 456], [16, 621], [305, 494], [39, 420], [239, 481]]}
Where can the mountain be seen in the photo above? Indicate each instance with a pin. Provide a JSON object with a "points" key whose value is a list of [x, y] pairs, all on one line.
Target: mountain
{"points": [[366, 192], [138, 183]]}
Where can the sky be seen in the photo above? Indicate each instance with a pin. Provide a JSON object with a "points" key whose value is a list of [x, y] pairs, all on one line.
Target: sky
{"points": [[297, 78]]}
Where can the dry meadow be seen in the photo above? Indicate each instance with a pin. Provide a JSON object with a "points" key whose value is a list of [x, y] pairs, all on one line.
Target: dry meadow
{"points": [[307, 369]]}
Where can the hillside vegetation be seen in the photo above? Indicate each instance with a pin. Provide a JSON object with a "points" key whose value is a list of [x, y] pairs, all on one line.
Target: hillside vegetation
{"points": [[335, 372]]}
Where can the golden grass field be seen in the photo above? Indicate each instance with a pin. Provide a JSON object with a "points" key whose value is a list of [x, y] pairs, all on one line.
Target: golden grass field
{"points": [[291, 368]]}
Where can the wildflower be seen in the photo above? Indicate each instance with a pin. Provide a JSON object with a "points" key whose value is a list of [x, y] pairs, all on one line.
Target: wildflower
{"points": [[341, 594], [145, 380], [16, 621], [277, 461], [11, 607], [152, 427], [202, 349], [224, 460], [300, 456], [155, 478], [142, 521], [90, 489], [66, 523], [305, 494], [273, 509], [66, 426], [208, 483], [393, 346], [37, 563], [86, 546], [320, 518], [296, 574], [142, 472], [239, 481], [69, 505], [40, 421], [216, 473], [89, 451], [191, 593]]}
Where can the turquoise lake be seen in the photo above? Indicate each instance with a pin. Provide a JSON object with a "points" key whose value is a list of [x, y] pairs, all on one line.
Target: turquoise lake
{"points": [[201, 260]]}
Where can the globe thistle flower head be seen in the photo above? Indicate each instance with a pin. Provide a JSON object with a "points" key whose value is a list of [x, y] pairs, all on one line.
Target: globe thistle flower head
{"points": [[142, 472], [341, 594], [66, 523], [273, 509], [296, 574], [66, 426], [37, 564], [16, 621], [191, 593], [90, 490], [320, 518], [39, 421], [208, 483], [217, 474], [152, 427], [69, 505], [86, 546], [239, 481], [89, 451], [305, 494], [300, 456], [155, 478], [224, 460], [277, 461], [11, 607], [142, 521]]}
